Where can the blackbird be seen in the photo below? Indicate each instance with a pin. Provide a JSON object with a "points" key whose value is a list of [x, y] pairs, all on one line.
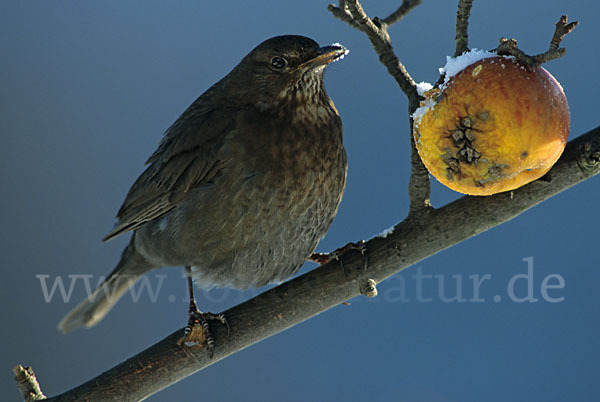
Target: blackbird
{"points": [[243, 185]]}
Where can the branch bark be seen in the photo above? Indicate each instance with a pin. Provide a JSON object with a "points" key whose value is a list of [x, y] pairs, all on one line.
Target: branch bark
{"points": [[562, 29], [299, 299], [462, 25], [28, 384]]}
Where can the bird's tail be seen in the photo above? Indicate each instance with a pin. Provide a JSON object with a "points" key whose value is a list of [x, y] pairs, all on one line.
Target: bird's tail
{"points": [[90, 311]]}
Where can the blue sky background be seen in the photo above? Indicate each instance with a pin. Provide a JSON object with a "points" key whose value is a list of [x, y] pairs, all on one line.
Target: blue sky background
{"points": [[87, 90]]}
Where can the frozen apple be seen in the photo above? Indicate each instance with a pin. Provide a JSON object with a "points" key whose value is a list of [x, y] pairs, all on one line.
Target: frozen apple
{"points": [[494, 126]]}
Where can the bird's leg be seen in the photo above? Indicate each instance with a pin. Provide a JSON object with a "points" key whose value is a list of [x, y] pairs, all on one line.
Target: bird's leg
{"points": [[198, 319], [324, 258]]}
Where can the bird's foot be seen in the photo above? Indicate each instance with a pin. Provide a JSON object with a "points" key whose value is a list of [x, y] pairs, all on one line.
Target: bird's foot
{"points": [[197, 331], [324, 258]]}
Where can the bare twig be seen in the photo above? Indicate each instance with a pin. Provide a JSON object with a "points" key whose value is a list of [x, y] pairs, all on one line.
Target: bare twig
{"points": [[28, 384], [462, 25], [327, 286], [419, 187], [562, 29], [343, 14], [405, 8], [351, 12], [509, 46], [365, 23]]}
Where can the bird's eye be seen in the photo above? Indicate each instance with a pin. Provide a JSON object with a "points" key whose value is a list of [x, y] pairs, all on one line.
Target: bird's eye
{"points": [[278, 62]]}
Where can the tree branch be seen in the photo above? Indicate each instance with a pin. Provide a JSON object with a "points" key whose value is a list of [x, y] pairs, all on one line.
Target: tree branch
{"points": [[327, 286], [419, 186], [28, 384], [405, 8], [509, 46], [351, 12], [462, 25]]}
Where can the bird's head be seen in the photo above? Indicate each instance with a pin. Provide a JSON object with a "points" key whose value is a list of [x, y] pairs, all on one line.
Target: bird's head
{"points": [[286, 68]]}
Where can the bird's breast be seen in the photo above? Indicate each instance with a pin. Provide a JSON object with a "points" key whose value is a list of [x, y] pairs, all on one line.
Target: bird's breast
{"points": [[293, 143]]}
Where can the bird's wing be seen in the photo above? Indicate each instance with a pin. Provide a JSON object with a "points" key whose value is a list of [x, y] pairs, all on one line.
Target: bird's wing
{"points": [[188, 156]]}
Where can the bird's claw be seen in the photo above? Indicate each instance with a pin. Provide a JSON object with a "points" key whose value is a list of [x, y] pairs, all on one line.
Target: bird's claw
{"points": [[197, 331], [324, 258]]}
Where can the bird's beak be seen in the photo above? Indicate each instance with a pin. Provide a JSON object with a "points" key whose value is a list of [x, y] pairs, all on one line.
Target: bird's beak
{"points": [[326, 55]]}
